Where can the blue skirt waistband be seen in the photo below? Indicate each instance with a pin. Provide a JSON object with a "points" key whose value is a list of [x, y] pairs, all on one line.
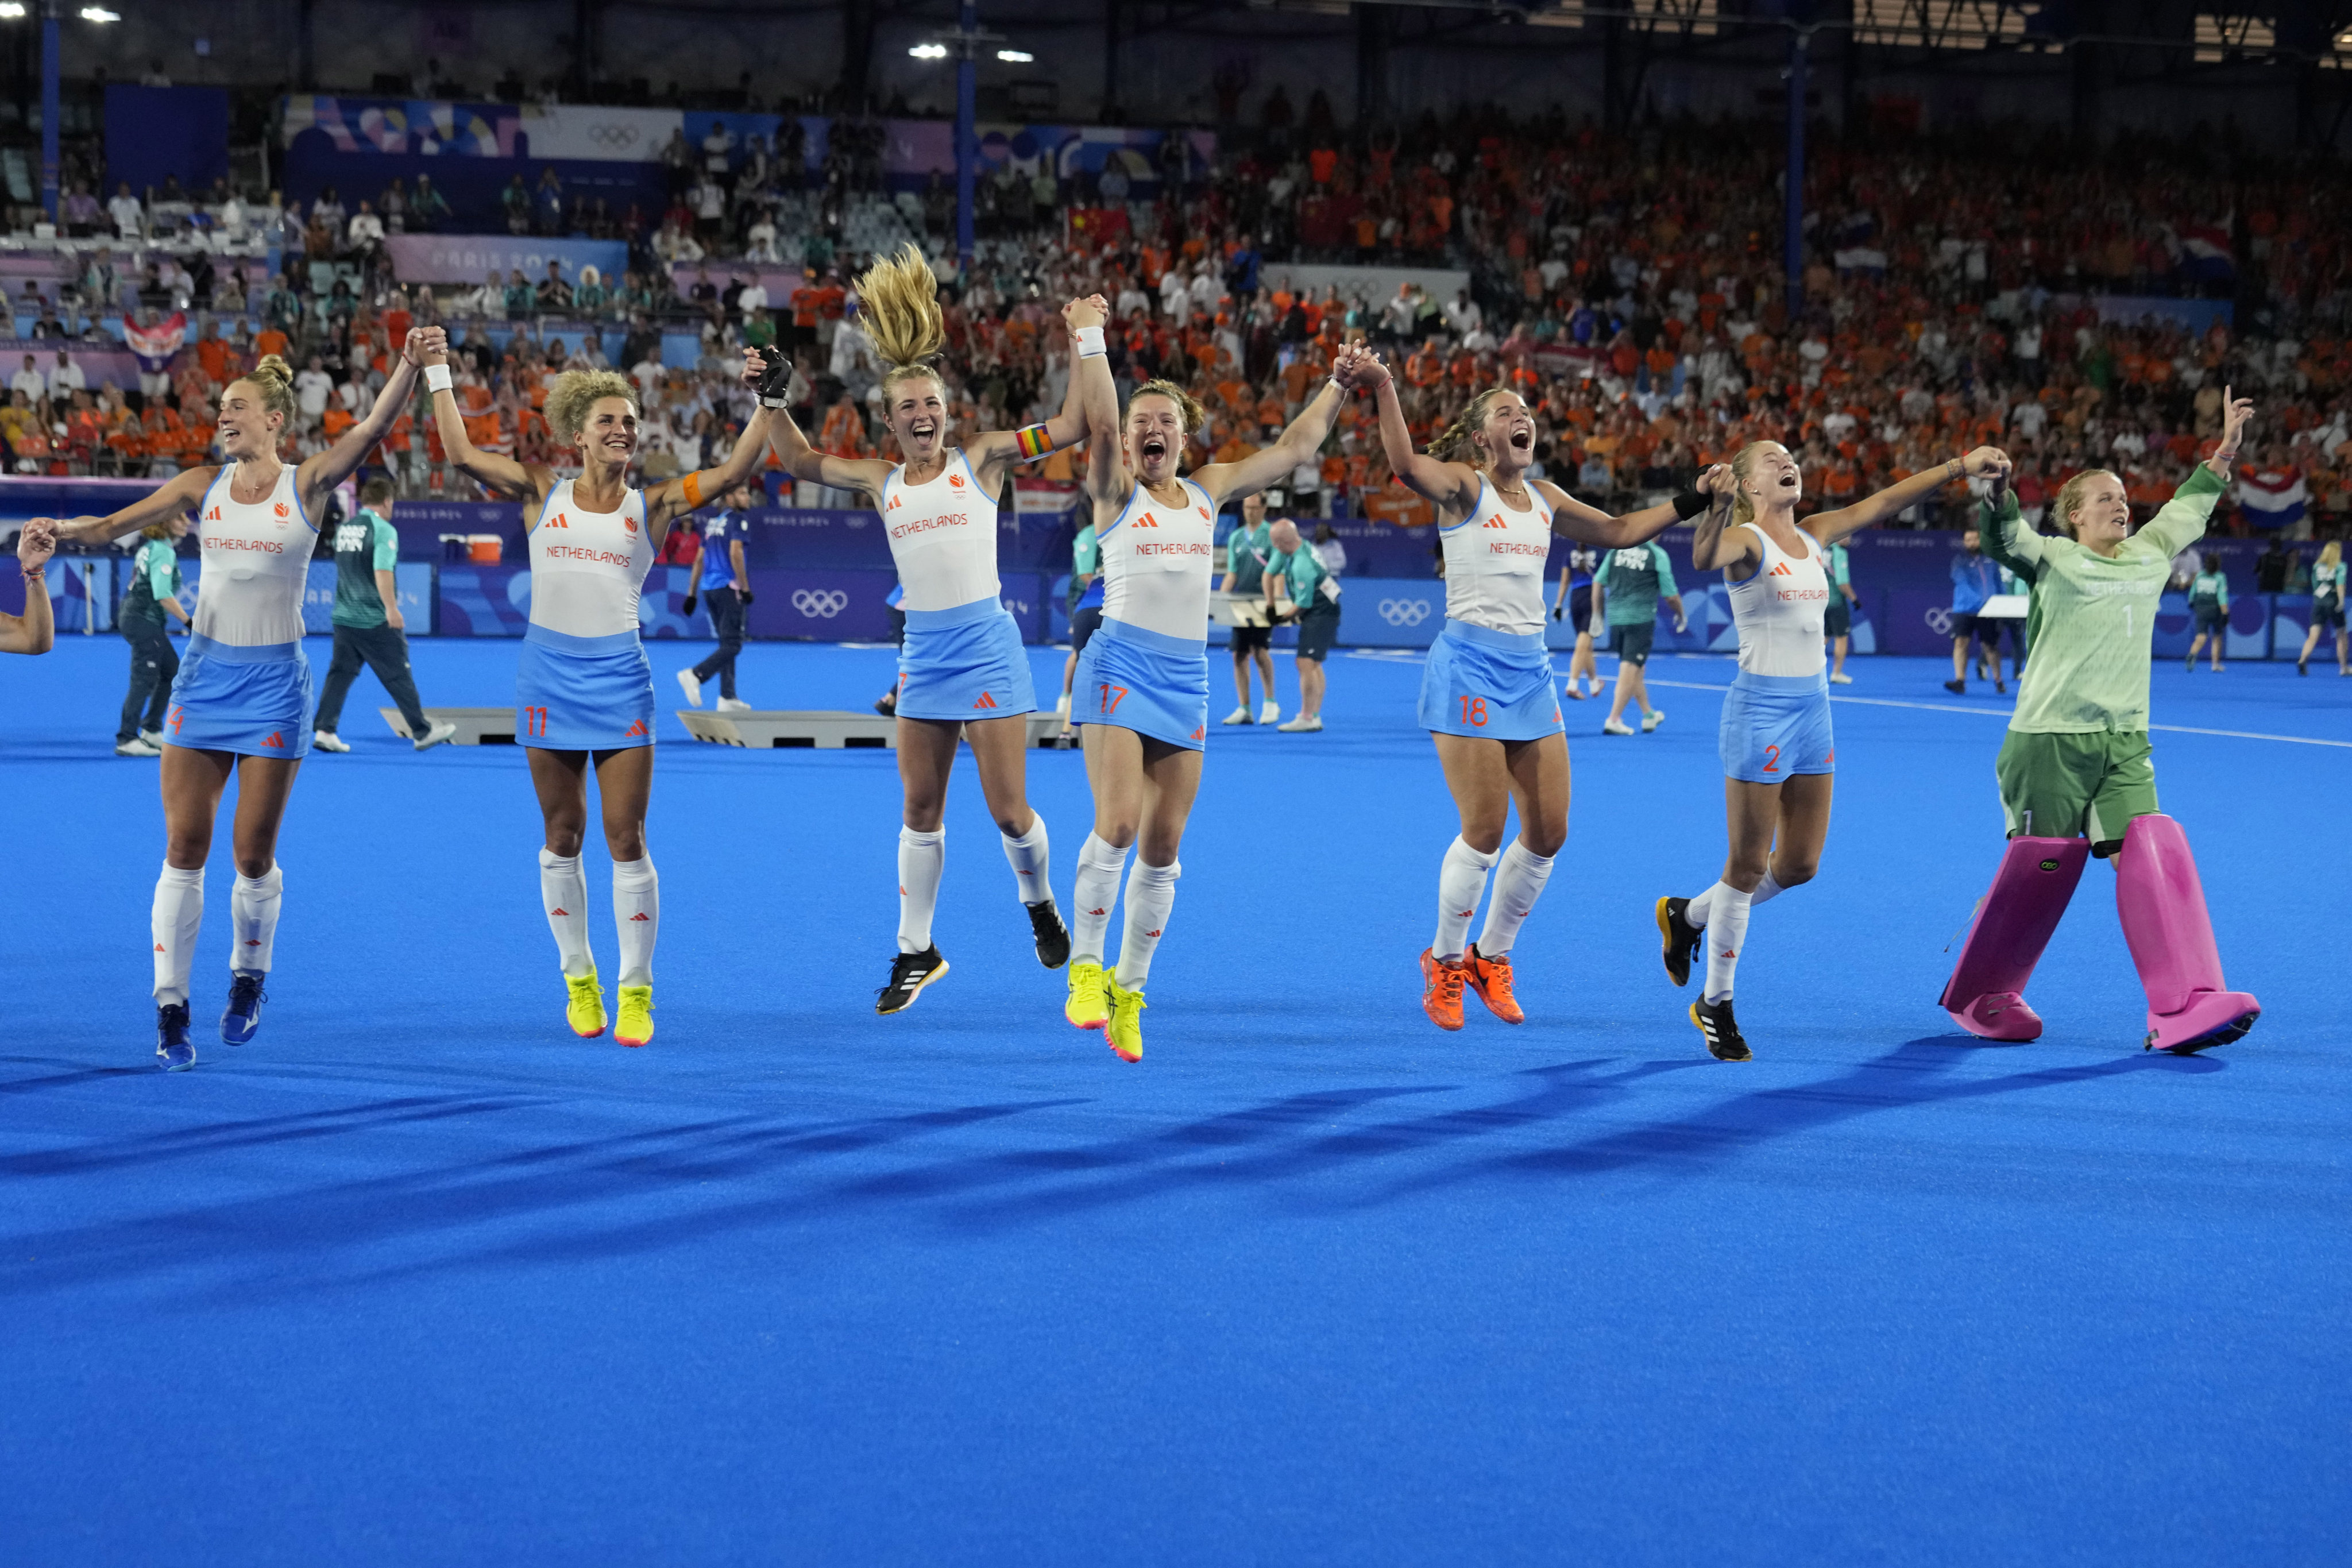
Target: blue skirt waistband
{"points": [[1485, 637], [1158, 642], [564, 642], [1791, 685], [230, 653], [955, 615]]}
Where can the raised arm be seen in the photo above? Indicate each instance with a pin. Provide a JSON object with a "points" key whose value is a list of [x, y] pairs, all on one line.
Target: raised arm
{"points": [[1451, 486], [1067, 428], [2181, 521], [36, 630], [1716, 543], [498, 473], [673, 498], [1302, 440], [2006, 539], [1573, 518], [802, 461], [331, 468], [1106, 476], [1829, 527], [174, 496]]}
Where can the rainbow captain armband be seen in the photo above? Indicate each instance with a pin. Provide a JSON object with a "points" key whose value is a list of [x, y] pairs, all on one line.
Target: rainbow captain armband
{"points": [[1035, 441]]}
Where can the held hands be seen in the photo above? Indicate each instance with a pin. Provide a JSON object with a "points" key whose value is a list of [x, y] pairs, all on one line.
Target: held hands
{"points": [[1359, 369], [2000, 477], [1080, 314], [1983, 461], [1718, 484], [36, 544], [428, 345]]}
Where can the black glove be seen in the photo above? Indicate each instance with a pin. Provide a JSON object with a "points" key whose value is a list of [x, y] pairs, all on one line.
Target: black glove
{"points": [[690, 603], [776, 380], [1555, 612], [747, 597]]}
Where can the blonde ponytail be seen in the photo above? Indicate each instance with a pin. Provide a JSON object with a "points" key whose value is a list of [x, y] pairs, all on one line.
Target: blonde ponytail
{"points": [[1458, 440], [275, 382], [899, 305]]}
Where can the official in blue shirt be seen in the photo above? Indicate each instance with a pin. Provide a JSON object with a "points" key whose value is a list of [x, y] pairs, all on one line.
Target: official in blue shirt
{"points": [[723, 584], [1975, 579]]}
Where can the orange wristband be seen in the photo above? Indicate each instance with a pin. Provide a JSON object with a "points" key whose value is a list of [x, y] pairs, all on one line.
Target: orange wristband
{"points": [[693, 491]]}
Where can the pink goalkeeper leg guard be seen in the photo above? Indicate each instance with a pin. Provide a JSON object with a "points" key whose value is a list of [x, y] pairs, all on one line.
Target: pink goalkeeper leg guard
{"points": [[2172, 937], [2014, 923]]}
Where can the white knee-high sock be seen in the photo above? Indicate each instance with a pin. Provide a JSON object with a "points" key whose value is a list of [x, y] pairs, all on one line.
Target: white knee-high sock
{"points": [[253, 904], [1519, 882], [1461, 878], [563, 894], [1031, 858], [1093, 896], [1699, 907], [1727, 933], [636, 911], [179, 915], [921, 857], [1151, 895]]}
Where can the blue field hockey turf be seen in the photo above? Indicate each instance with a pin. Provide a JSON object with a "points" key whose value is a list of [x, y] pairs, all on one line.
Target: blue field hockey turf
{"points": [[420, 1278]]}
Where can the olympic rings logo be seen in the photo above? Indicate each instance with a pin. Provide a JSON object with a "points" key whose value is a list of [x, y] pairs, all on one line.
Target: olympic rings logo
{"points": [[819, 604], [612, 135], [1939, 621], [1404, 612]]}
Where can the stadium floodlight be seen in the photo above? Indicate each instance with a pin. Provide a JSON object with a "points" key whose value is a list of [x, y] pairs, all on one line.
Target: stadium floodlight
{"points": [[929, 51], [12, 10], [1015, 56], [100, 14]]}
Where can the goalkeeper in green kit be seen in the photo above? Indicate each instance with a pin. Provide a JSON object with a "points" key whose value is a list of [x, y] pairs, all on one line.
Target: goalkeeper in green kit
{"points": [[2075, 772]]}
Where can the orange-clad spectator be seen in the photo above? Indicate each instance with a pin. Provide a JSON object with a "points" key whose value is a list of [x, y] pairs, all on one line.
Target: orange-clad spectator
{"points": [[1236, 447], [213, 353], [842, 434], [1425, 366], [270, 341], [336, 420]]}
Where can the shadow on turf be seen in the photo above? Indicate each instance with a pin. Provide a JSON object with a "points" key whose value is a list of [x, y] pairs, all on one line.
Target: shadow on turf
{"points": [[670, 1176]]}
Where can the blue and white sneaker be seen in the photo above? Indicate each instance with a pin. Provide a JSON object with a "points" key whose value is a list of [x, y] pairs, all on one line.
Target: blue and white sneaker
{"points": [[242, 1017], [171, 1047]]}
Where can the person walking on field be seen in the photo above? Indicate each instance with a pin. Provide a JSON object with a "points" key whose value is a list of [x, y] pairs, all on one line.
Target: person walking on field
{"points": [[2208, 603], [2328, 585], [1247, 549], [369, 629], [154, 593], [1632, 582], [724, 585]]}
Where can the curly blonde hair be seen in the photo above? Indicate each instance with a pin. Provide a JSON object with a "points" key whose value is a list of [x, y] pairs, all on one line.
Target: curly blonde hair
{"points": [[899, 305], [2070, 498], [274, 380], [1459, 438], [1188, 407], [578, 391]]}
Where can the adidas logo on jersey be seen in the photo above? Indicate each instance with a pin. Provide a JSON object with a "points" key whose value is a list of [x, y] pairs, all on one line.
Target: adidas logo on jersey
{"points": [[560, 521], [636, 729], [275, 739], [1147, 521], [985, 702], [1201, 733], [1782, 571], [214, 515], [640, 915], [1496, 522]]}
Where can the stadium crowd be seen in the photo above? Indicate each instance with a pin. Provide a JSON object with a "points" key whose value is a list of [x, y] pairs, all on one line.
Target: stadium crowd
{"points": [[1630, 287]]}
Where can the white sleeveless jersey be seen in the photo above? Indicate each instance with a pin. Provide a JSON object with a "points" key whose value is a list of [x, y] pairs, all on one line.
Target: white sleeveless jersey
{"points": [[1495, 563], [942, 537], [256, 561], [1155, 564], [586, 567], [1778, 611]]}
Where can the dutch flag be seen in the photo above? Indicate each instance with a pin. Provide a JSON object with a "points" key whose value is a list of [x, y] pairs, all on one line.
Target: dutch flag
{"points": [[2272, 497]]}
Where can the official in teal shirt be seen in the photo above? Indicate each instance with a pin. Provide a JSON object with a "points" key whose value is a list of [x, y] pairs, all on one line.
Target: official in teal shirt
{"points": [[369, 628], [154, 663], [1632, 582], [1305, 592], [1247, 548]]}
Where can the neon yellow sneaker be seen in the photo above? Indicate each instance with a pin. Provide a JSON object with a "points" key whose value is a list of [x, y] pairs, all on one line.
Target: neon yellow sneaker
{"points": [[1124, 1030], [1089, 1004], [585, 1011], [636, 1025]]}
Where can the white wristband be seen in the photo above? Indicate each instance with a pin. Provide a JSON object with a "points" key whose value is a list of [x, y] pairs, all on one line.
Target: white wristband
{"points": [[1090, 342], [437, 378]]}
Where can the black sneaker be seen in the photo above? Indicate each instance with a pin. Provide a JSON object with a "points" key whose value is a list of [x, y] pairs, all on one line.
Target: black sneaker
{"points": [[887, 706], [1682, 939], [910, 972], [1053, 936], [171, 1047], [1957, 687], [2302, 666], [1722, 1031]]}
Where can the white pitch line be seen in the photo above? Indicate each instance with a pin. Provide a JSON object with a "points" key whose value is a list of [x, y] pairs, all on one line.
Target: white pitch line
{"points": [[2007, 712]]}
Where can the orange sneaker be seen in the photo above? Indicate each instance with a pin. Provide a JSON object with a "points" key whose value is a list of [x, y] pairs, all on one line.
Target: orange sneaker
{"points": [[1491, 978], [1441, 994]]}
